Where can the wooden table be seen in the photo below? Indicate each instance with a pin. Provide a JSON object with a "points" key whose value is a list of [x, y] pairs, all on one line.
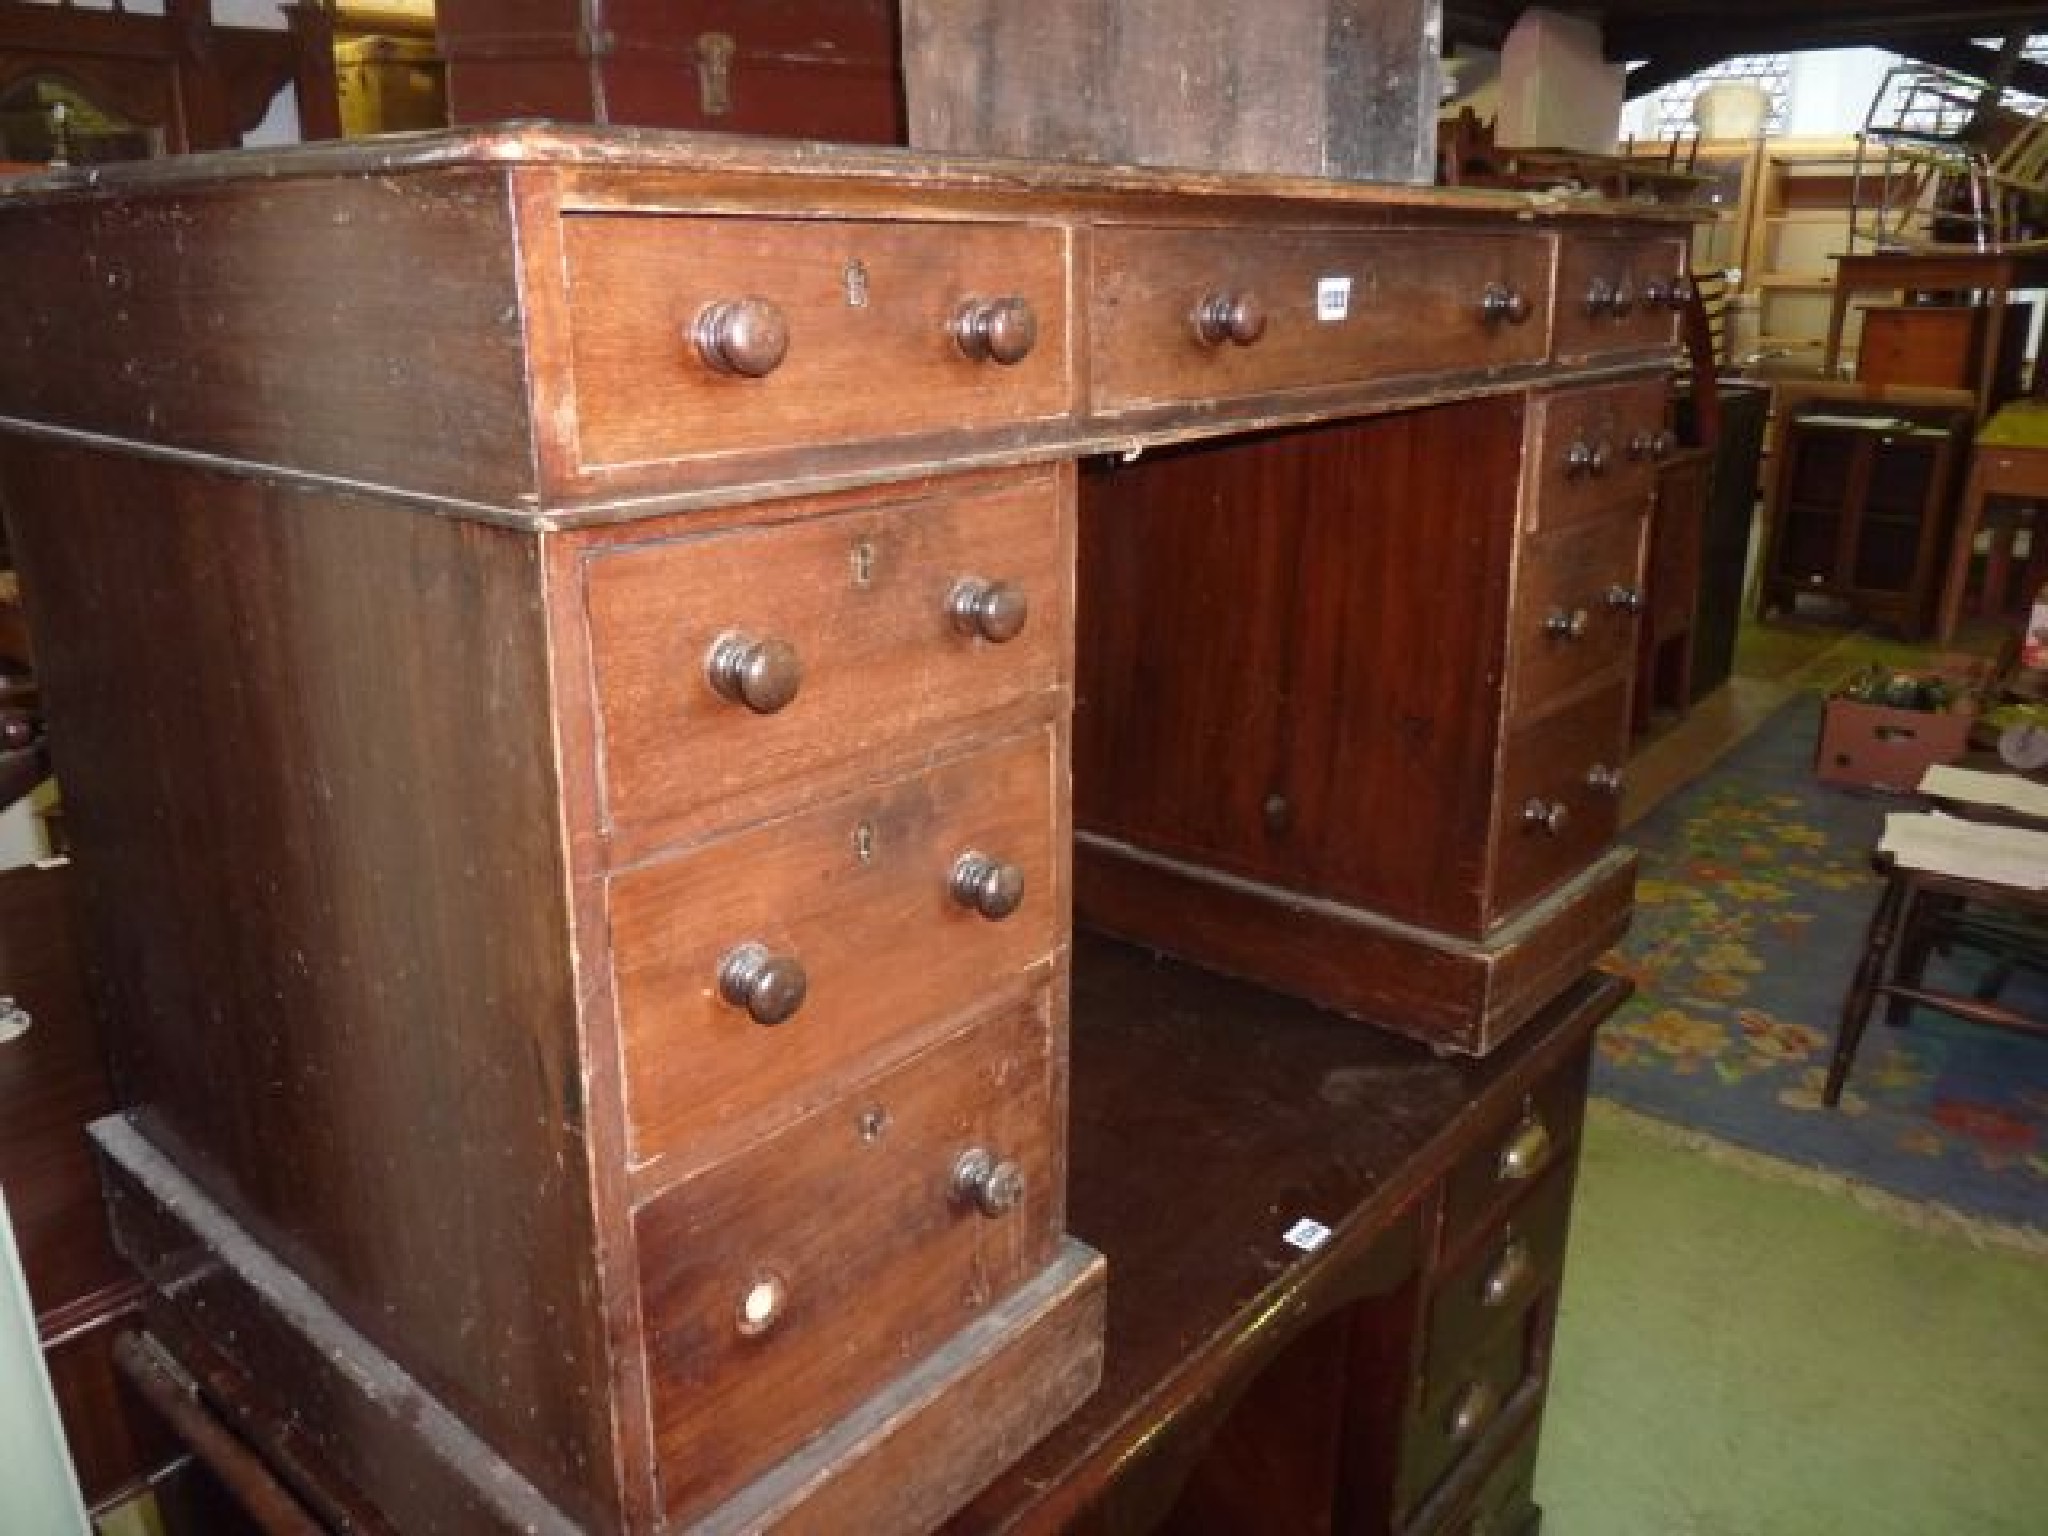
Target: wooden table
{"points": [[1994, 273], [2008, 461], [1246, 1380]]}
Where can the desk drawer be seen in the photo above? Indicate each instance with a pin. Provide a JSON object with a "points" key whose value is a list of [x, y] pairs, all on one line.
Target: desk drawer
{"points": [[1339, 307], [1594, 449], [860, 603], [1559, 800], [783, 1287], [1498, 1278], [1616, 294], [1577, 593], [856, 897], [1510, 1156], [1462, 1415], [666, 314]]}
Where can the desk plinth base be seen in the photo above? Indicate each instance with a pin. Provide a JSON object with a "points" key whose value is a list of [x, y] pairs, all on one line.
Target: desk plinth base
{"points": [[363, 1445], [1458, 994]]}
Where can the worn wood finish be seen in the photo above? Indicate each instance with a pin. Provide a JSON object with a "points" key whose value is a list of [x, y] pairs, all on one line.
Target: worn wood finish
{"points": [[365, 331], [1572, 429], [1271, 683], [1628, 267], [851, 1208], [1467, 995], [833, 888], [1207, 1116], [815, 69], [1567, 628], [404, 732], [1340, 88], [1571, 759], [314, 892], [1338, 307], [862, 597], [861, 298]]}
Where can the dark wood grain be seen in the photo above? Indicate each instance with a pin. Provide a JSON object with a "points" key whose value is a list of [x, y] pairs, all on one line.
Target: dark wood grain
{"points": [[1275, 680], [365, 330], [812, 69], [1207, 1116], [326, 903], [1337, 88]]}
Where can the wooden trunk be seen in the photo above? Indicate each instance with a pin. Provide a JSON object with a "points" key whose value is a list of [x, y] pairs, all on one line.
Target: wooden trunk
{"points": [[1336, 88], [815, 69]]}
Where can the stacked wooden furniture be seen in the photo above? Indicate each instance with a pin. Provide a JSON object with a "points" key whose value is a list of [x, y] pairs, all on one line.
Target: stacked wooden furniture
{"points": [[560, 653]]}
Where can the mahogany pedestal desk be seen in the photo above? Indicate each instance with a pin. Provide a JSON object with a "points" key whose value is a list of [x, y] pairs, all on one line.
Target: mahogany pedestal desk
{"points": [[560, 650]]}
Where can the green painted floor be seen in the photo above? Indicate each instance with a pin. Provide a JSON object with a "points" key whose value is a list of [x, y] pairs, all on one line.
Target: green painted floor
{"points": [[1744, 1357]]}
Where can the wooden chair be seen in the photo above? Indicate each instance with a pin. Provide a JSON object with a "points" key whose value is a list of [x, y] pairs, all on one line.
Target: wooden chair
{"points": [[1924, 910]]}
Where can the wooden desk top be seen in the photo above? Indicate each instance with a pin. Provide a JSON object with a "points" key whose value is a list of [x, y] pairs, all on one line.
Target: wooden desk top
{"points": [[1208, 1115]]}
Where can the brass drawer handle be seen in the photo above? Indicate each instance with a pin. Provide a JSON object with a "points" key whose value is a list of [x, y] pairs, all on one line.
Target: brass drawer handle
{"points": [[1234, 316], [1526, 1152], [1603, 780], [989, 886], [993, 1187], [995, 330], [1550, 816], [764, 675], [1470, 1412], [770, 986], [1567, 625], [748, 337], [994, 611], [1510, 1270], [1504, 301]]}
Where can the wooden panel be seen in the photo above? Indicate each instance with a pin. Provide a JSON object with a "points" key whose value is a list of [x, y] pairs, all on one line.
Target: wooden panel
{"points": [[1572, 619], [1485, 1182], [1505, 1376], [1573, 430], [1459, 995], [856, 890], [815, 69], [1342, 88], [869, 308], [1632, 266], [1340, 307], [863, 596], [1501, 1274], [850, 1219], [314, 798], [1275, 679], [1552, 764], [233, 322]]}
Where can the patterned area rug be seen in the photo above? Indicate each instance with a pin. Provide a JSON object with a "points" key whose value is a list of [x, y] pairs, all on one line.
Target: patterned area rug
{"points": [[1754, 896]]}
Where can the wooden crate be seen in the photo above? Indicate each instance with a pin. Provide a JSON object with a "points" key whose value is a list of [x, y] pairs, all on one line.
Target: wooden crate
{"points": [[1335, 88]]}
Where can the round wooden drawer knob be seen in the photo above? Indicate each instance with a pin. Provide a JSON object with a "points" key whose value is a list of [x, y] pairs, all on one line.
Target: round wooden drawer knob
{"points": [[1551, 816], [770, 986], [989, 886], [1588, 458], [764, 675], [1567, 624], [994, 611], [996, 330], [748, 337], [1625, 599], [1504, 301], [1234, 316], [1604, 780], [992, 1186]]}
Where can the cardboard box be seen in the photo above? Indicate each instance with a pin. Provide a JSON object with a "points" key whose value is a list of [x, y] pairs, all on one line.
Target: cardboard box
{"points": [[1873, 746]]}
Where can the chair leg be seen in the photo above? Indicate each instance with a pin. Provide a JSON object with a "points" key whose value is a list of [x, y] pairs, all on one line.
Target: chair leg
{"points": [[1877, 943], [1920, 933]]}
